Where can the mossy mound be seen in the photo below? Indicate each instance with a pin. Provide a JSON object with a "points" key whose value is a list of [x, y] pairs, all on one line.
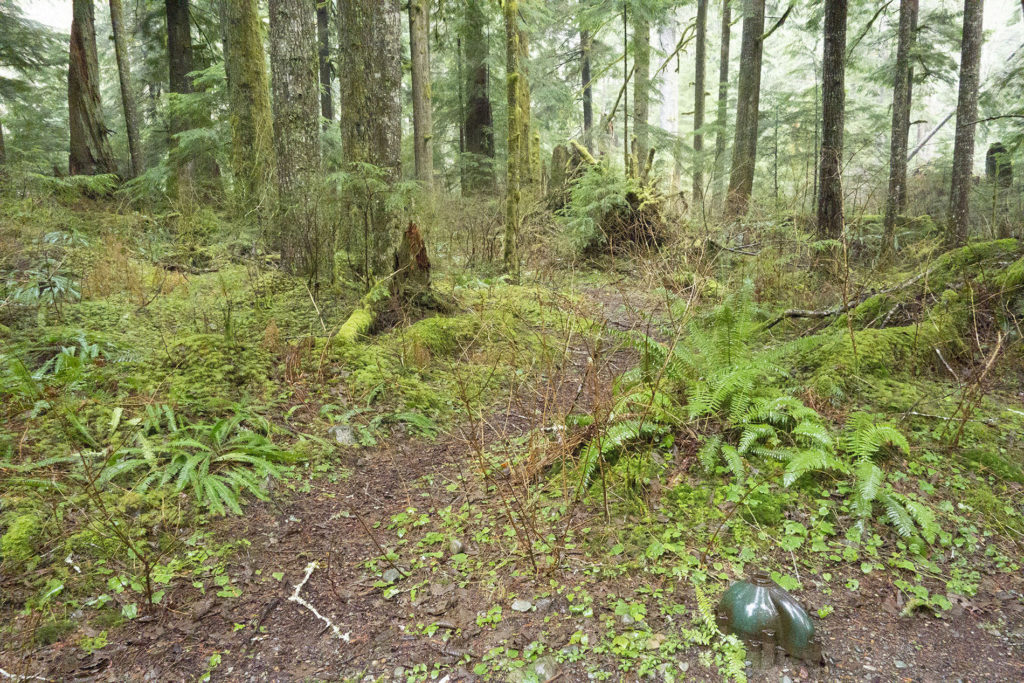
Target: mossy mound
{"points": [[209, 372], [18, 545], [444, 336]]}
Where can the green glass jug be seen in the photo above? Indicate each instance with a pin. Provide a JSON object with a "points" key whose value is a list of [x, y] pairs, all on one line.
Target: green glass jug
{"points": [[767, 619]]}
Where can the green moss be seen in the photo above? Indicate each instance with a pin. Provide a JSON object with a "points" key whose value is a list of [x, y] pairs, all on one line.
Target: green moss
{"points": [[19, 543], [988, 461], [208, 372], [444, 336], [52, 631]]}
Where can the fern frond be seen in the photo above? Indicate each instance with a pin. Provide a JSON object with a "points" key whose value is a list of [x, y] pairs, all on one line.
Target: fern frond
{"points": [[812, 460]]}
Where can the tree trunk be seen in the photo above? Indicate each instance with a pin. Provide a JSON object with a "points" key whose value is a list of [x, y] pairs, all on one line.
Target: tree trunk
{"points": [[901, 197], [89, 148], [900, 130], [179, 53], [833, 106], [422, 117], [722, 119], [323, 33], [641, 84], [966, 121], [529, 172], [305, 240], [698, 106], [744, 150], [124, 72], [513, 91], [196, 177], [252, 146], [588, 93], [479, 123], [3, 148], [370, 78]]}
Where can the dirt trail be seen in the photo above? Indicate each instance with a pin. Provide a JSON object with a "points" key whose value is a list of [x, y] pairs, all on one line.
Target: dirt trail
{"points": [[263, 635]]}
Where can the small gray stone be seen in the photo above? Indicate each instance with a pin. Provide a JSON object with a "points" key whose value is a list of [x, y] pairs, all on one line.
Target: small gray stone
{"points": [[391, 575], [399, 672], [455, 546], [521, 605], [684, 667], [899, 664], [546, 668], [625, 620], [786, 679], [342, 434], [544, 604]]}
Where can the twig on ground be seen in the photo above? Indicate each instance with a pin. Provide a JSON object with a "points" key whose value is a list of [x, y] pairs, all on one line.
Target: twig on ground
{"points": [[17, 677], [298, 599]]}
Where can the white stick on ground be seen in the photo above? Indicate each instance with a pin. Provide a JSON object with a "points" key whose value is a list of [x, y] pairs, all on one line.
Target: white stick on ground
{"points": [[295, 597], [16, 677]]}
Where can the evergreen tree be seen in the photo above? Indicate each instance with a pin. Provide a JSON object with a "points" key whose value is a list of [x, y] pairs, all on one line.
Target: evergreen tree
{"points": [[900, 128], [303, 236], [422, 115], [966, 121], [479, 131], [90, 151], [370, 79], [252, 147], [131, 110], [833, 99], [744, 149]]}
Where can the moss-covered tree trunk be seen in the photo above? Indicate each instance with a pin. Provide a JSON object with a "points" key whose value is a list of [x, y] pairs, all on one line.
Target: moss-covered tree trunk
{"points": [[641, 83], [305, 238], [422, 115], [510, 10], [252, 145], [698, 104], [833, 100], [529, 143], [748, 97], [900, 132], [722, 116], [966, 122], [3, 148], [323, 33], [124, 72], [370, 79], [479, 124], [89, 148]]}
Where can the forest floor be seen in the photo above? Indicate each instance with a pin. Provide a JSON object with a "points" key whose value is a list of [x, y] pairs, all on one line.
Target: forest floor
{"points": [[400, 554]]}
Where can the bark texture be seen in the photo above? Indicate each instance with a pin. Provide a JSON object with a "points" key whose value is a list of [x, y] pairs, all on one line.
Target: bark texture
{"points": [[179, 52], [89, 148], [252, 146], [744, 150], [641, 84], [306, 243], [901, 198], [833, 108], [966, 122], [370, 80], [422, 115], [323, 33], [698, 104], [722, 117], [3, 148], [510, 12], [588, 93], [124, 73], [900, 128], [479, 122]]}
